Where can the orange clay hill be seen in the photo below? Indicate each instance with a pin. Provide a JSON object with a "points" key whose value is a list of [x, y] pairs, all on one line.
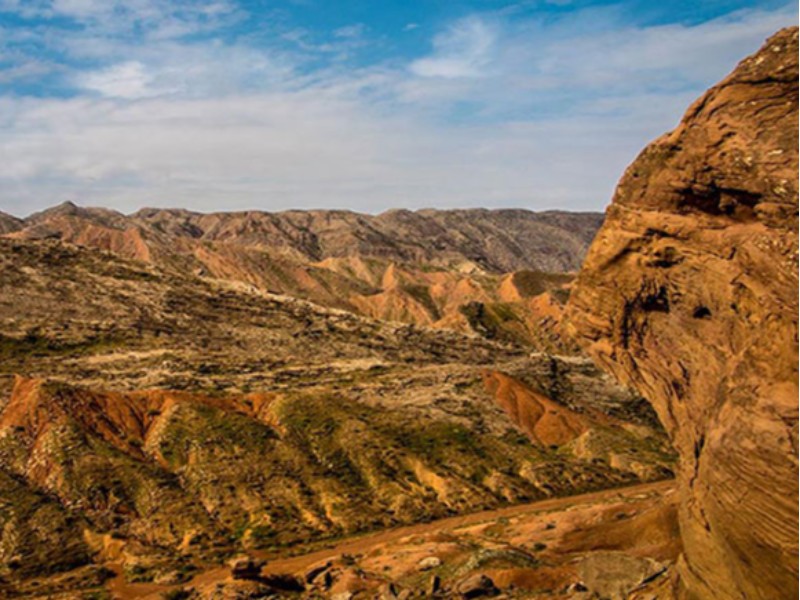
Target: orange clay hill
{"points": [[543, 421], [126, 421]]}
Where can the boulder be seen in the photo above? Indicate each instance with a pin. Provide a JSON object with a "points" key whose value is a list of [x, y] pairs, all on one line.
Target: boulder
{"points": [[613, 575], [477, 586], [245, 567], [428, 563]]}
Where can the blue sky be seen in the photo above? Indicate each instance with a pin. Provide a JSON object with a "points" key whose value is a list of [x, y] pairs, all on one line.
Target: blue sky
{"points": [[228, 105]]}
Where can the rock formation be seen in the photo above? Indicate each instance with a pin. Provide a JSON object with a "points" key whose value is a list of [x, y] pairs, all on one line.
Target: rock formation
{"points": [[689, 293]]}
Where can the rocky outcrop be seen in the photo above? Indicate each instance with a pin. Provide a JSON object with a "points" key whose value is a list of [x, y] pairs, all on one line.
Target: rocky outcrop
{"points": [[689, 293]]}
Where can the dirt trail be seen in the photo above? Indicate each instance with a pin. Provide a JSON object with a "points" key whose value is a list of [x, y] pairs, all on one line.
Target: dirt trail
{"points": [[122, 590]]}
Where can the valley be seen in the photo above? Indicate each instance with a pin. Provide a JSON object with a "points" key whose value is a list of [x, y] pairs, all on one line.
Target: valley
{"points": [[168, 421], [538, 549]]}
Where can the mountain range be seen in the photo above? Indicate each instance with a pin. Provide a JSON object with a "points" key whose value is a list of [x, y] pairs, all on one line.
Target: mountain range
{"points": [[499, 273]]}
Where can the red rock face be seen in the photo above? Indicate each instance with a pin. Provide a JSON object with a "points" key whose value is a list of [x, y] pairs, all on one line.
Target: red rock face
{"points": [[689, 292]]}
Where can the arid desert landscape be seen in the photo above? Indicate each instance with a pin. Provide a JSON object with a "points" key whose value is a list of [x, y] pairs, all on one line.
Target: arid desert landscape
{"points": [[419, 403]]}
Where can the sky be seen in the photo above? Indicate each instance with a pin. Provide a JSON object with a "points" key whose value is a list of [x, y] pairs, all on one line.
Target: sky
{"points": [[357, 104]]}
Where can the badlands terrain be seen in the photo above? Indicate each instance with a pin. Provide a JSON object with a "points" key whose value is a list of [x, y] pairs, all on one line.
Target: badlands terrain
{"points": [[333, 405], [499, 273], [157, 422]]}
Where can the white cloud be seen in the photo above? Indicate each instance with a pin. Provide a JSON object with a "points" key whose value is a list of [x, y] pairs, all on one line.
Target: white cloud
{"points": [[125, 80], [350, 31], [461, 51], [24, 69], [82, 9], [500, 113], [634, 58], [152, 18], [208, 70], [537, 66]]}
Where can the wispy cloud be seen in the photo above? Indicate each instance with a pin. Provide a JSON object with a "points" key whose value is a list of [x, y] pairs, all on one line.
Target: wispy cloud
{"points": [[157, 18], [538, 68], [465, 49], [124, 80], [161, 105], [350, 31]]}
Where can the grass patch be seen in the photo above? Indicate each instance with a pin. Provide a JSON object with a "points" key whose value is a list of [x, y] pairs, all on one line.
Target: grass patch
{"points": [[533, 283]]}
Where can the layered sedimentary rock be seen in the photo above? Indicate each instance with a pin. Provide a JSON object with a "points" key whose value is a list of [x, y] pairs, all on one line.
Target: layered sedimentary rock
{"points": [[689, 293]]}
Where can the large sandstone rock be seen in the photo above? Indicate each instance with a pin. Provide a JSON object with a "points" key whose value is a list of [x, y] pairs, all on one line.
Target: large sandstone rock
{"points": [[689, 292]]}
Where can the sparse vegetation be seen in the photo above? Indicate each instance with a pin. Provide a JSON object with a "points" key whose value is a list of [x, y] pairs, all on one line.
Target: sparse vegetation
{"points": [[365, 425]]}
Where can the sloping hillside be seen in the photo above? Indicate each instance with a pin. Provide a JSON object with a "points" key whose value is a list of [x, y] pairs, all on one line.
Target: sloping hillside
{"points": [[168, 421]]}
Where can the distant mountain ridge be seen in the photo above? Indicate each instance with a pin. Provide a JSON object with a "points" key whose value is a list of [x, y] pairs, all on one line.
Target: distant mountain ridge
{"points": [[475, 270], [10, 223], [497, 240]]}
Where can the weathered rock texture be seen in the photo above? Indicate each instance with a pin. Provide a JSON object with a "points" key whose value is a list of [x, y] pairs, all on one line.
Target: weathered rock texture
{"points": [[689, 293]]}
